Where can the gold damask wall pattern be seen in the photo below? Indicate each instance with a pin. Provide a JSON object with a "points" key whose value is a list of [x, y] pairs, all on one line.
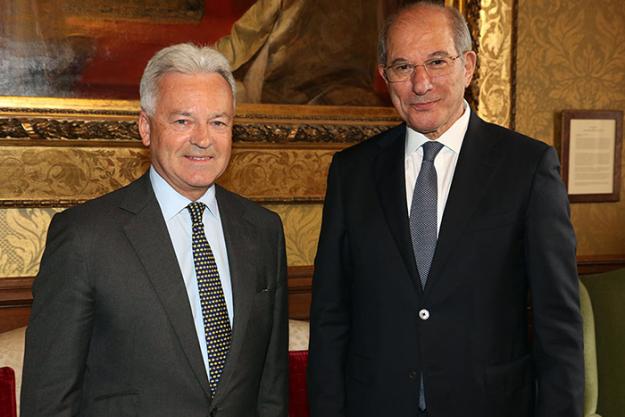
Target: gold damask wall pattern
{"points": [[301, 226], [33, 173], [571, 55], [23, 234], [63, 176]]}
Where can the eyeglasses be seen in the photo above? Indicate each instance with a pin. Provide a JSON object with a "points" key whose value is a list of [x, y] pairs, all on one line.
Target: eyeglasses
{"points": [[435, 67]]}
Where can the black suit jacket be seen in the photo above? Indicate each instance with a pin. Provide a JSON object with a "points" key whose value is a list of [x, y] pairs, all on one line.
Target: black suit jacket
{"points": [[111, 331], [505, 234]]}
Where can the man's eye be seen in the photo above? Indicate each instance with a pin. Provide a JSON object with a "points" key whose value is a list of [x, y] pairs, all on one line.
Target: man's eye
{"points": [[436, 63], [182, 122], [403, 67]]}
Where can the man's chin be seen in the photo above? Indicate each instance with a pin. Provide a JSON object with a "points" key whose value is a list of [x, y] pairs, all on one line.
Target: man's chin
{"points": [[423, 127]]}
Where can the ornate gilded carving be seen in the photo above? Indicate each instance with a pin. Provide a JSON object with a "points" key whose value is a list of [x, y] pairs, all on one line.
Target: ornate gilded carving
{"points": [[471, 11], [81, 129], [12, 128], [110, 130], [73, 119], [496, 51]]}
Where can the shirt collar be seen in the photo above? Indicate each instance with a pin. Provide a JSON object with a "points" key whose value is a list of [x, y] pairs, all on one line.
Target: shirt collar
{"points": [[172, 202], [452, 138]]}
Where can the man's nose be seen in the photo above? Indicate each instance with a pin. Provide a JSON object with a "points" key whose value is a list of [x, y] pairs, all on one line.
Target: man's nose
{"points": [[421, 81], [201, 136]]}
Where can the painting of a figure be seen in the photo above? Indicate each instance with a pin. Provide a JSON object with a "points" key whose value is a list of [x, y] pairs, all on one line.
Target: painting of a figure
{"points": [[281, 51]]}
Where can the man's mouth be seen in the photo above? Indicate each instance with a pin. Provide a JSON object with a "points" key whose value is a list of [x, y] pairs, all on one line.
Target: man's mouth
{"points": [[423, 106], [199, 158]]}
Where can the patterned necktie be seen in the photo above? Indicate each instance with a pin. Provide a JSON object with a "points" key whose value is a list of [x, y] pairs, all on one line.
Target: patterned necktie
{"points": [[214, 311], [423, 214], [423, 221]]}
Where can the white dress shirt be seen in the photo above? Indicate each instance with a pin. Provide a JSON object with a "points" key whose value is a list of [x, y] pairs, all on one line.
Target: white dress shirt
{"points": [[174, 208], [445, 162]]}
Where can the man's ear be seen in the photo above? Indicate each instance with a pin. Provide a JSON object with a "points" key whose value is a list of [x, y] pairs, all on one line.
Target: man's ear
{"points": [[381, 72], [470, 61], [144, 128]]}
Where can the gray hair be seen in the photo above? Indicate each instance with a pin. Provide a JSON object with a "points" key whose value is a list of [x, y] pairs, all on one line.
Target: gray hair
{"points": [[457, 23], [185, 58]]}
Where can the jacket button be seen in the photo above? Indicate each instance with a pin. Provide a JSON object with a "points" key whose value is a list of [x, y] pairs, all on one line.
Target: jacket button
{"points": [[412, 375], [424, 314]]}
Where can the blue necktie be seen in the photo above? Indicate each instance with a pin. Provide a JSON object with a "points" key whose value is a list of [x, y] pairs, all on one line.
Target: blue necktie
{"points": [[423, 221], [423, 211], [214, 311]]}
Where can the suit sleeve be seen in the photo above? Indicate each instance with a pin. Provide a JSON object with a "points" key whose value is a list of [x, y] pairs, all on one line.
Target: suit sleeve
{"points": [[557, 325], [59, 329], [274, 384], [330, 308]]}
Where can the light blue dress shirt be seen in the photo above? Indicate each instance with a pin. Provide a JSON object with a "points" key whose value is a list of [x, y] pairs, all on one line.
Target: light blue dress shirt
{"points": [[174, 208]]}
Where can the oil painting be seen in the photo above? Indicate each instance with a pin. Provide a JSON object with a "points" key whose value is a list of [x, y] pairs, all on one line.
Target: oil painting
{"points": [[282, 52]]}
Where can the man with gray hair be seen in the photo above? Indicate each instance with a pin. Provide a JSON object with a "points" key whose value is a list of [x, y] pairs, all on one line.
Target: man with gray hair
{"points": [[436, 236], [166, 297]]}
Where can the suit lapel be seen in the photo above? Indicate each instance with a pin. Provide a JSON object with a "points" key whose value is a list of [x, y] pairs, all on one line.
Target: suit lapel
{"points": [[389, 171], [148, 234], [476, 164], [239, 236]]}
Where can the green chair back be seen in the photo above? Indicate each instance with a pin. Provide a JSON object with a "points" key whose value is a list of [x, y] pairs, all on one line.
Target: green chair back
{"points": [[591, 385], [607, 293]]}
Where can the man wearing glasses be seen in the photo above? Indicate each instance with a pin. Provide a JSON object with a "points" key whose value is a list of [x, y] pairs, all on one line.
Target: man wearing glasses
{"points": [[436, 236]]}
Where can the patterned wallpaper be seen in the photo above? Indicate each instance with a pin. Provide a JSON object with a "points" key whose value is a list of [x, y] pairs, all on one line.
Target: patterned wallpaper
{"points": [[23, 233], [301, 229], [571, 55]]}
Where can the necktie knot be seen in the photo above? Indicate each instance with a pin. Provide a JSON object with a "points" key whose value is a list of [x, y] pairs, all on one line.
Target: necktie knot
{"points": [[431, 148], [196, 209]]}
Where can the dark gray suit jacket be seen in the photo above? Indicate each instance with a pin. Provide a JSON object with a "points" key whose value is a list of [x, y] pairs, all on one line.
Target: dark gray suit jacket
{"points": [[505, 234], [111, 331]]}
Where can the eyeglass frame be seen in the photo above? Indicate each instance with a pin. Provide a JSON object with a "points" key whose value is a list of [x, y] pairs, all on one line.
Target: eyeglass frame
{"points": [[424, 65]]}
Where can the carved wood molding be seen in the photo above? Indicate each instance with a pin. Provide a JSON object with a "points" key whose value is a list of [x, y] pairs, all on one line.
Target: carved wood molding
{"points": [[126, 131], [115, 120]]}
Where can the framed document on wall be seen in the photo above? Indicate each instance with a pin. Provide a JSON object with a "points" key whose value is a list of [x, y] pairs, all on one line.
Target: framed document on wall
{"points": [[591, 154]]}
